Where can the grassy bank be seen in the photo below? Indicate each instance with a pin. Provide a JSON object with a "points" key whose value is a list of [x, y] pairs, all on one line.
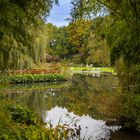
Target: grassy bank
{"points": [[101, 69], [31, 78]]}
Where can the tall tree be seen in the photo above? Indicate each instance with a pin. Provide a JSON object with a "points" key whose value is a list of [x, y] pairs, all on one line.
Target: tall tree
{"points": [[78, 33], [98, 53]]}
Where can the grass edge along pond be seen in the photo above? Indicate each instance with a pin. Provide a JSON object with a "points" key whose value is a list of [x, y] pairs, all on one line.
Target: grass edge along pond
{"points": [[31, 78], [94, 69], [20, 123]]}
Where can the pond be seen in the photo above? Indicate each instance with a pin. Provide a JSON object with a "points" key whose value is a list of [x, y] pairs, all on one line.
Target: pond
{"points": [[85, 102]]}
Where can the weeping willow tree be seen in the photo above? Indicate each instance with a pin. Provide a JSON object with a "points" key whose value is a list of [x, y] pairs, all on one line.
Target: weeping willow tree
{"points": [[20, 26], [40, 44]]}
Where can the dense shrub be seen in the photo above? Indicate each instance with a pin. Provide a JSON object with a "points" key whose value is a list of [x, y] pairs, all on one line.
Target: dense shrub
{"points": [[130, 97], [29, 78]]}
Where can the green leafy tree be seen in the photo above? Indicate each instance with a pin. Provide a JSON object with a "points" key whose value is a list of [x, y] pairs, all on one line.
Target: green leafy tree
{"points": [[123, 30], [78, 32], [62, 46], [57, 44], [98, 49], [18, 21], [66, 42]]}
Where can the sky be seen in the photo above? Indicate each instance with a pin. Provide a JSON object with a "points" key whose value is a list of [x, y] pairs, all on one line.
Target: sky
{"points": [[60, 13]]}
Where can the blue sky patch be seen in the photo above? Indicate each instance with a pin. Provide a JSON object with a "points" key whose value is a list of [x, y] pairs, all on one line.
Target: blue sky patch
{"points": [[59, 13]]}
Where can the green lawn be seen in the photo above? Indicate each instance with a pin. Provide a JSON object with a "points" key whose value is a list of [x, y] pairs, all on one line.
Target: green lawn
{"points": [[102, 69]]}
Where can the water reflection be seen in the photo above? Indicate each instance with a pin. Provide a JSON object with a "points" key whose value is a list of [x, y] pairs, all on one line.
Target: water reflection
{"points": [[90, 128], [86, 98], [87, 95]]}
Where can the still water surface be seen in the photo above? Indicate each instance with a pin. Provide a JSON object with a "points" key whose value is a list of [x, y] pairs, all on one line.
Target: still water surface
{"points": [[84, 101]]}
